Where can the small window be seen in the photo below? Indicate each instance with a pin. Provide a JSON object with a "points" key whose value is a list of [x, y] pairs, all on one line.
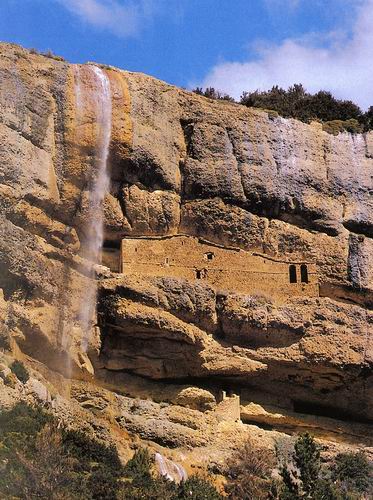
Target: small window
{"points": [[303, 273], [201, 273], [292, 273], [166, 260], [209, 256]]}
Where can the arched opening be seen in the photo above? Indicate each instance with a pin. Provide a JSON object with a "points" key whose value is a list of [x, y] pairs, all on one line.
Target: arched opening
{"points": [[303, 273], [198, 274], [292, 273]]}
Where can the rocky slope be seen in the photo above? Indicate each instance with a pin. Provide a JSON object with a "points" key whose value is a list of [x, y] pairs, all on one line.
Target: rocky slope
{"points": [[183, 164]]}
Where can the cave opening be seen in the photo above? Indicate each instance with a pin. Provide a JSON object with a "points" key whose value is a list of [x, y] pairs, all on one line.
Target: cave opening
{"points": [[321, 410]]}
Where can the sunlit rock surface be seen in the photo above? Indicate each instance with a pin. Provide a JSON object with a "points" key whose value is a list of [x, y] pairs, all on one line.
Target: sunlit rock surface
{"points": [[183, 164]]}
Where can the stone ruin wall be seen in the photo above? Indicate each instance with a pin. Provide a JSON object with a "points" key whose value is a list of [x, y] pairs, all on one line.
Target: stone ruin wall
{"points": [[224, 268], [228, 407]]}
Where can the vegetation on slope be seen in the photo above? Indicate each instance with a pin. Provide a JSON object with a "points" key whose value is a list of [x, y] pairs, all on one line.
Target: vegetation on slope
{"points": [[42, 459], [295, 102], [298, 474]]}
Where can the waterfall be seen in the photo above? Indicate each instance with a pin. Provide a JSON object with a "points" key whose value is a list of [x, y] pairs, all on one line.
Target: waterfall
{"points": [[169, 469], [97, 94]]}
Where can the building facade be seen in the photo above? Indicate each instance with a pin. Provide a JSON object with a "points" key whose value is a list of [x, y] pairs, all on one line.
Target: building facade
{"points": [[229, 269]]}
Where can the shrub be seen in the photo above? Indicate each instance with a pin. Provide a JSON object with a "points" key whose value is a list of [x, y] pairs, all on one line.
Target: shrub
{"points": [[197, 488], [307, 459], [300, 477], [249, 473], [88, 450], [336, 126], [212, 93], [44, 460], [50, 55], [23, 419], [139, 465], [305, 478], [142, 484], [19, 370], [31, 451], [4, 340], [295, 102], [40, 459], [354, 471], [333, 127]]}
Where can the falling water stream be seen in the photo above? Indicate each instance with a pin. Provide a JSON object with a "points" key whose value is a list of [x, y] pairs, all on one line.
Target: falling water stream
{"points": [[169, 469], [100, 97]]}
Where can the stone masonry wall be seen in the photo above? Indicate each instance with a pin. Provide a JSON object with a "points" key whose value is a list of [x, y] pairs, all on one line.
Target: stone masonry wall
{"points": [[223, 268]]}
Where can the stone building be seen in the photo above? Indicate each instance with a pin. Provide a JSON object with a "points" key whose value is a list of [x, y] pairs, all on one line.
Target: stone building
{"points": [[223, 268]]}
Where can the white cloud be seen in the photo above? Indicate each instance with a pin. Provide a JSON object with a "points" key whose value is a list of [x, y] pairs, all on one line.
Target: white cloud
{"points": [[343, 65], [122, 18]]}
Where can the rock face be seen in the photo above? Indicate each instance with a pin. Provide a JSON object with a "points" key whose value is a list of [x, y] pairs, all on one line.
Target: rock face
{"points": [[182, 164]]}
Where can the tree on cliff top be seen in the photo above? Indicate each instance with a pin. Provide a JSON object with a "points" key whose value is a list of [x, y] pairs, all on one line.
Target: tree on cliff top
{"points": [[295, 102]]}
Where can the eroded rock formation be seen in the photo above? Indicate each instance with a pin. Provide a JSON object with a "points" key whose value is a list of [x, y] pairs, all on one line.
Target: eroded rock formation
{"points": [[184, 164]]}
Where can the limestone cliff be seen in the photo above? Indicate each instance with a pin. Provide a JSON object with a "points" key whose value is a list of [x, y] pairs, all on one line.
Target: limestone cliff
{"points": [[231, 177]]}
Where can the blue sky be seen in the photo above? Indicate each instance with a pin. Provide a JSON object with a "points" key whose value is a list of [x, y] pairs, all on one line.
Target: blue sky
{"points": [[234, 45]]}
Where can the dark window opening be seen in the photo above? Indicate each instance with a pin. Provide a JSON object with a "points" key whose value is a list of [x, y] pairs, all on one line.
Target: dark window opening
{"points": [[166, 261], [292, 273], [303, 273], [209, 255], [201, 273], [110, 256], [110, 244]]}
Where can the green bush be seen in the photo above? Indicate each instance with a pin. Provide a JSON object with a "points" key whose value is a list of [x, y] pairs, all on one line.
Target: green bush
{"points": [[50, 55], [19, 370], [44, 460], [4, 340], [337, 126], [212, 93], [23, 419], [304, 477], [336, 115], [354, 471], [307, 459], [88, 450], [41, 459], [139, 465], [295, 102], [197, 488]]}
